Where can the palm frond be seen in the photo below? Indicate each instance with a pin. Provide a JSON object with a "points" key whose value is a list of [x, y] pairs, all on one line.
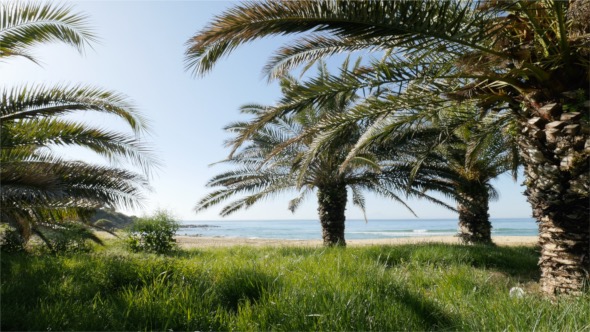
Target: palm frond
{"points": [[24, 102], [25, 24], [359, 200], [76, 184], [50, 132], [308, 50], [295, 202], [401, 24]]}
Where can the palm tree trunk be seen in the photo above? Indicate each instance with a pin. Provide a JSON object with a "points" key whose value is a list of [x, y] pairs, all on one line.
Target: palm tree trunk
{"points": [[556, 150], [474, 220], [331, 206]]}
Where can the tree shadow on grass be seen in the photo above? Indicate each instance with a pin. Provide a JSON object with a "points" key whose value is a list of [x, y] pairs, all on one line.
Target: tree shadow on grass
{"points": [[27, 280], [429, 313], [520, 262], [432, 316], [243, 285]]}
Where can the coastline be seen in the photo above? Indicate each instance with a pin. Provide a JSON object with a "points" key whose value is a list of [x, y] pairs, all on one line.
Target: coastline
{"points": [[189, 242]]}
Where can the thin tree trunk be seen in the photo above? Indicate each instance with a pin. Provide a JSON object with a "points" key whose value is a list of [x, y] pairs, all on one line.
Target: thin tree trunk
{"points": [[331, 207], [474, 220], [556, 149]]}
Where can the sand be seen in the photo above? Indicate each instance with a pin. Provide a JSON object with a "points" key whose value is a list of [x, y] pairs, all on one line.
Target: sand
{"points": [[188, 242]]}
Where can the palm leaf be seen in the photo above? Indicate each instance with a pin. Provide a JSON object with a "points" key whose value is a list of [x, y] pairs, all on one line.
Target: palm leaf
{"points": [[42, 101], [50, 132], [390, 24], [24, 25]]}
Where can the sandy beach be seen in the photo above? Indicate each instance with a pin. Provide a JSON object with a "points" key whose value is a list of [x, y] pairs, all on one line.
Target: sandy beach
{"points": [[188, 242]]}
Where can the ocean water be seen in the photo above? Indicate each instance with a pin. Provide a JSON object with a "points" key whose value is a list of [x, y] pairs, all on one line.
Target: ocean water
{"points": [[355, 229]]}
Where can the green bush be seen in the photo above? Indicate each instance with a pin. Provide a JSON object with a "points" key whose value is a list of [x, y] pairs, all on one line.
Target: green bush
{"points": [[10, 239], [153, 234]]}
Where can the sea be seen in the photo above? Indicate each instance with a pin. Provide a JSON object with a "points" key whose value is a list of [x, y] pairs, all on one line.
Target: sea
{"points": [[355, 229]]}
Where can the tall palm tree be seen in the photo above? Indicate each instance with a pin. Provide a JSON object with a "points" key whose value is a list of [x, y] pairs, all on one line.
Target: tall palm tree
{"points": [[526, 59], [41, 189], [462, 154], [263, 170]]}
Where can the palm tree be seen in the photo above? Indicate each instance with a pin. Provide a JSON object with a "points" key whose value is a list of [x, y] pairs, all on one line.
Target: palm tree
{"points": [[525, 59], [40, 189], [272, 160], [455, 152], [461, 154]]}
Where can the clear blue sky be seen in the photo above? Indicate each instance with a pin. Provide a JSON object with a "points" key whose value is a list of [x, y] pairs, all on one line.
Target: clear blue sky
{"points": [[141, 55]]}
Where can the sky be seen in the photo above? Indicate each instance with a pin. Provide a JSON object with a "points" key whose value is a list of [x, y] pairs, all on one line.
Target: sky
{"points": [[141, 54]]}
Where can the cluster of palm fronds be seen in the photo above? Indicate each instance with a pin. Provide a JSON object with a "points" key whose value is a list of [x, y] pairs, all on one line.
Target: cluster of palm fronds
{"points": [[275, 154], [40, 188]]}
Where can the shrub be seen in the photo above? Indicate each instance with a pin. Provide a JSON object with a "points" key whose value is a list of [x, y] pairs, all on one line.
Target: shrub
{"points": [[10, 239], [153, 234]]}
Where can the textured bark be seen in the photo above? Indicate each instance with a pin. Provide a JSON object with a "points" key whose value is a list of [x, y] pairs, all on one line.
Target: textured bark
{"points": [[556, 149], [474, 220], [331, 208]]}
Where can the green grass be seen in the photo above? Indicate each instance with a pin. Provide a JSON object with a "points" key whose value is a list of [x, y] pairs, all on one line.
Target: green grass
{"points": [[406, 287]]}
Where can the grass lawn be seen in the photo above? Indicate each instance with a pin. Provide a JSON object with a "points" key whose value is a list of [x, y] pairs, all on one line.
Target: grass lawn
{"points": [[404, 287]]}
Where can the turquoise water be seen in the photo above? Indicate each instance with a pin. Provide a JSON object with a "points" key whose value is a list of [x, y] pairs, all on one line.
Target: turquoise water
{"points": [[355, 229]]}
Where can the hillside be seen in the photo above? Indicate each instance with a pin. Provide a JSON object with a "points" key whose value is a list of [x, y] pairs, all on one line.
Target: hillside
{"points": [[111, 219]]}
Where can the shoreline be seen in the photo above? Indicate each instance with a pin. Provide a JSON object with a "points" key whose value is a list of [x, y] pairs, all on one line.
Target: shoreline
{"points": [[189, 242]]}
